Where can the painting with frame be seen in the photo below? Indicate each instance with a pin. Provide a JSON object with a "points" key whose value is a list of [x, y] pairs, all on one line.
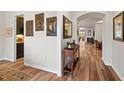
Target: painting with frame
{"points": [[39, 22], [118, 27], [29, 28], [67, 28], [51, 29]]}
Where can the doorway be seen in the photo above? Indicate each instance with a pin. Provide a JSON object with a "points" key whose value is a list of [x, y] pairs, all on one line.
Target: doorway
{"points": [[90, 28], [20, 37]]}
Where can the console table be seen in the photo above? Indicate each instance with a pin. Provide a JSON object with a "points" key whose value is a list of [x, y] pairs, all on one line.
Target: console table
{"points": [[70, 59]]}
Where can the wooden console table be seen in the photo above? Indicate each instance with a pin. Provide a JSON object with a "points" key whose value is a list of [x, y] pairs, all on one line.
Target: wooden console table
{"points": [[70, 59]]}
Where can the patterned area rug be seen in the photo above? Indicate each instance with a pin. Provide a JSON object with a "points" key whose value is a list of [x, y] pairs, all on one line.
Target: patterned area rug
{"points": [[10, 74]]}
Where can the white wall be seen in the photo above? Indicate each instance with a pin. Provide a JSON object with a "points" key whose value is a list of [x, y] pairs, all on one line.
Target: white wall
{"points": [[1, 35], [9, 41], [107, 35], [64, 41], [49, 53], [40, 51], [118, 55], [98, 31], [112, 50]]}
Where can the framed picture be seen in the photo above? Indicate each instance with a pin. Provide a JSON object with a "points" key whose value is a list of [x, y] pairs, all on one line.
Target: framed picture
{"points": [[88, 32], [51, 29], [39, 22], [118, 27], [29, 28], [67, 28], [8, 32]]}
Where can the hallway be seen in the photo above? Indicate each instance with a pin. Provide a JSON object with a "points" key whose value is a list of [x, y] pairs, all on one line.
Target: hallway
{"points": [[90, 68]]}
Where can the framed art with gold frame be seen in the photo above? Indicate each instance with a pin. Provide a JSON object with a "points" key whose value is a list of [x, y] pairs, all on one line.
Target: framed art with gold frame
{"points": [[39, 22], [51, 28], [29, 28], [118, 27], [67, 28]]}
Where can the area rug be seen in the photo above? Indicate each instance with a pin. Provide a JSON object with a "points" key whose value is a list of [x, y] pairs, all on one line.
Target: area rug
{"points": [[10, 74]]}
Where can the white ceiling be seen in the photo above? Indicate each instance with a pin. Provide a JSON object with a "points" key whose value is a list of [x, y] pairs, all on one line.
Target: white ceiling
{"points": [[89, 20]]}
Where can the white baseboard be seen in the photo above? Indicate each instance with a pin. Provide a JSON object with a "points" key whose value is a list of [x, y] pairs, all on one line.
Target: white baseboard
{"points": [[59, 75], [11, 60], [119, 75], [42, 68], [105, 62], [1, 59]]}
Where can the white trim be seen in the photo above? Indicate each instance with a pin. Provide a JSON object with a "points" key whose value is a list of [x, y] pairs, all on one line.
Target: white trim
{"points": [[117, 72], [105, 62], [59, 74], [15, 38], [11, 60], [42, 68], [1, 59], [15, 33]]}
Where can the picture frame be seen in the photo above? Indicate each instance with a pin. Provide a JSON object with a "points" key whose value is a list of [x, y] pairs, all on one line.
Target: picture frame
{"points": [[39, 22], [67, 28], [118, 27], [88, 32], [51, 26], [29, 28]]}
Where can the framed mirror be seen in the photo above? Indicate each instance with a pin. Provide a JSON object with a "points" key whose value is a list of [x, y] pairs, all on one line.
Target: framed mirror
{"points": [[67, 28], [118, 27]]}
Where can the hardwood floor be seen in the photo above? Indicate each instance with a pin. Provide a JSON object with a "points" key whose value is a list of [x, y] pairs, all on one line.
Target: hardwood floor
{"points": [[90, 68]]}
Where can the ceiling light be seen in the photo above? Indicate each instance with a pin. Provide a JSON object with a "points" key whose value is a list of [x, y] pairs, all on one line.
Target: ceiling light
{"points": [[101, 21]]}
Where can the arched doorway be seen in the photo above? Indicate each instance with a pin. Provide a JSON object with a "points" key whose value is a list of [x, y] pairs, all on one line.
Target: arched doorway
{"points": [[90, 28]]}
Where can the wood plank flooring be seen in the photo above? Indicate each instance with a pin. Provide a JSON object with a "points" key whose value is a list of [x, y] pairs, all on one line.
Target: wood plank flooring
{"points": [[89, 68]]}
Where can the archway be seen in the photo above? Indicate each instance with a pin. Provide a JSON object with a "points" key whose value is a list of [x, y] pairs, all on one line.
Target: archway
{"points": [[89, 21], [90, 28]]}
